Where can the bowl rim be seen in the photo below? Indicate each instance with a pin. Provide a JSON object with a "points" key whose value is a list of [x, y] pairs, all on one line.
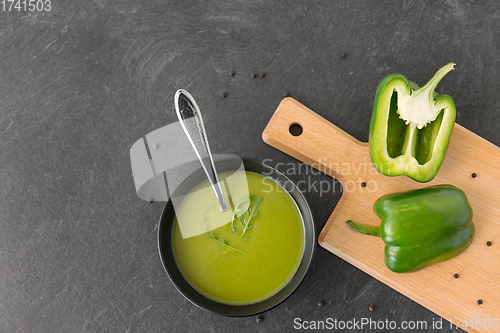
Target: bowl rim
{"points": [[205, 303]]}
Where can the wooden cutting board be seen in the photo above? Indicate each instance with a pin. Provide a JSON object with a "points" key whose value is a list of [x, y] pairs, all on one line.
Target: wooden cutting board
{"points": [[471, 163]]}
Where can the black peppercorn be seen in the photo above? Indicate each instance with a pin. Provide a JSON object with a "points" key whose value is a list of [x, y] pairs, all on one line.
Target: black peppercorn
{"points": [[286, 94], [223, 95], [455, 276], [259, 318], [321, 303], [253, 75], [232, 73], [473, 175], [363, 184], [262, 75], [479, 301], [150, 200], [488, 243], [343, 56]]}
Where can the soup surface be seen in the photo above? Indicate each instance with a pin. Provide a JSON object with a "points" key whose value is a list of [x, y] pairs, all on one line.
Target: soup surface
{"points": [[235, 265]]}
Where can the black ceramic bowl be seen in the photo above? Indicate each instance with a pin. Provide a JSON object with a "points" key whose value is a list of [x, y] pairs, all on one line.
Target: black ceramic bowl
{"points": [[169, 263]]}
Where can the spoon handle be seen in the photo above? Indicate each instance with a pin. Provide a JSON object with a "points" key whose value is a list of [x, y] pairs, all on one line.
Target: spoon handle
{"points": [[191, 121]]}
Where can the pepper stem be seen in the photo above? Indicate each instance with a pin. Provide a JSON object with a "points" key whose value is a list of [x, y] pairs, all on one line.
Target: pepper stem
{"points": [[428, 89], [364, 229], [419, 107]]}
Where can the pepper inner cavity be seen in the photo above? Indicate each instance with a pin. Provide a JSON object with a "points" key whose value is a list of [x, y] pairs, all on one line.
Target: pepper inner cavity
{"points": [[401, 141]]}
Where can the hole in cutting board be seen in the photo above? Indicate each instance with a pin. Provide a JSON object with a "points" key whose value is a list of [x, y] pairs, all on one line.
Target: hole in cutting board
{"points": [[295, 129]]}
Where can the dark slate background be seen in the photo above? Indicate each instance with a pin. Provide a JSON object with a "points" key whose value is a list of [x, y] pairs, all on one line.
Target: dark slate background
{"points": [[81, 83]]}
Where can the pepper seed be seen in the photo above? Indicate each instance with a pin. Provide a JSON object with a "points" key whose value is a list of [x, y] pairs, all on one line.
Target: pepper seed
{"points": [[371, 308], [343, 56], [254, 75], [232, 73], [488, 243], [473, 175], [479, 301], [262, 75], [321, 303], [455, 276], [259, 318], [363, 184], [223, 95]]}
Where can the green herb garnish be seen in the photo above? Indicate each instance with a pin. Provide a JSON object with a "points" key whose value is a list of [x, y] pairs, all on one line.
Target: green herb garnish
{"points": [[252, 212], [237, 209], [214, 236], [224, 244]]}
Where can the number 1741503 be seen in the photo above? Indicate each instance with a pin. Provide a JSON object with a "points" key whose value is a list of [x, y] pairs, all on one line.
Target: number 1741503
{"points": [[26, 5], [474, 323]]}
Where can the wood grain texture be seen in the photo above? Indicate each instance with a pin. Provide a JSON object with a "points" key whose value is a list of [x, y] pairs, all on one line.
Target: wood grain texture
{"points": [[327, 148]]}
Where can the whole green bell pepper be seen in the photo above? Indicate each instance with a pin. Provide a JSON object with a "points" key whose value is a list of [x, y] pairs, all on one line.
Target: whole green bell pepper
{"points": [[422, 227], [410, 126]]}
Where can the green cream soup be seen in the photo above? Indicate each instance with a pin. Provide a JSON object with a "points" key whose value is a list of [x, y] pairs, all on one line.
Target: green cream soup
{"points": [[229, 268]]}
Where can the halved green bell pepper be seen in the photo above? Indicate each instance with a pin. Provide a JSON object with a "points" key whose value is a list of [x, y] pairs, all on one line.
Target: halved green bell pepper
{"points": [[422, 227], [410, 126]]}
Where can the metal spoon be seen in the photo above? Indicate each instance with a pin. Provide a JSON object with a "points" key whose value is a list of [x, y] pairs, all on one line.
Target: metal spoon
{"points": [[191, 121]]}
